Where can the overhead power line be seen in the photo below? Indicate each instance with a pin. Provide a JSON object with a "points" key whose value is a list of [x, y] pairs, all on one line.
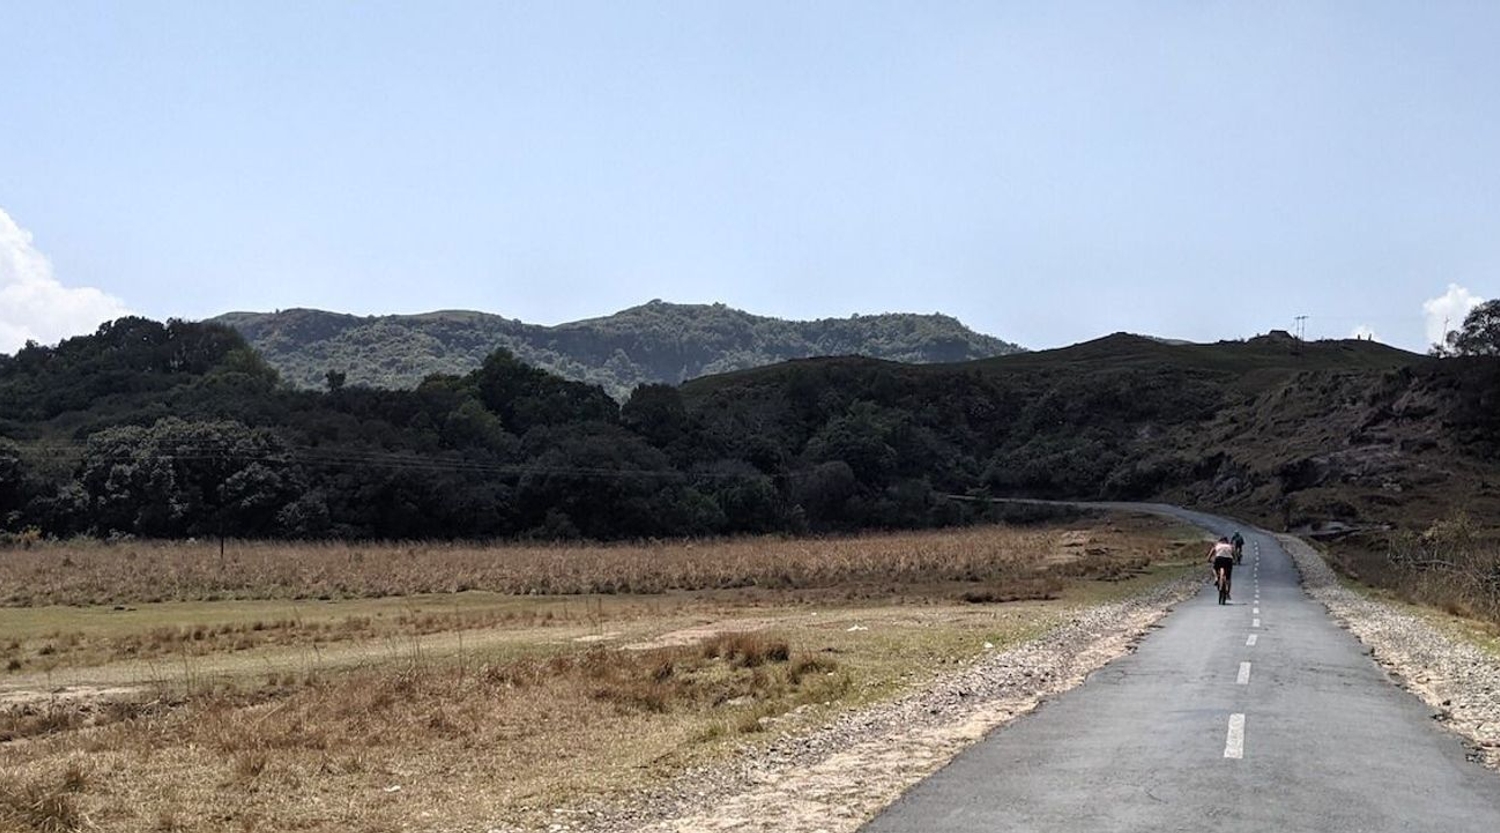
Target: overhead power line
{"points": [[317, 457]]}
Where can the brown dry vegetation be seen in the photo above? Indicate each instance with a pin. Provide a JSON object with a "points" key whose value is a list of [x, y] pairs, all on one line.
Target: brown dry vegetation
{"points": [[132, 583], [494, 740], [98, 573], [1453, 564], [428, 740], [142, 638]]}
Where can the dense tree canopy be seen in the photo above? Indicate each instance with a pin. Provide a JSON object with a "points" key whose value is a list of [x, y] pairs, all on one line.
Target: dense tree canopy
{"points": [[179, 429], [178, 478]]}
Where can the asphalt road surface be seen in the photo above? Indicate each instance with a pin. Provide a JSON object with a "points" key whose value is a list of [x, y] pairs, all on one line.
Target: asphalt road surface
{"points": [[1262, 715]]}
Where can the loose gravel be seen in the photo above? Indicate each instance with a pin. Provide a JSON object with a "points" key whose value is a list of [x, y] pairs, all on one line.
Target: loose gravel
{"points": [[1459, 680], [835, 777]]}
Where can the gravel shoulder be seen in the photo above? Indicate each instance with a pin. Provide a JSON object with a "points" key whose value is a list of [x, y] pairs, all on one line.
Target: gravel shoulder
{"points": [[1457, 679], [837, 776]]}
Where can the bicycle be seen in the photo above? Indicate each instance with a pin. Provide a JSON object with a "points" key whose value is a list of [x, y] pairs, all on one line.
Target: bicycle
{"points": [[1221, 561]]}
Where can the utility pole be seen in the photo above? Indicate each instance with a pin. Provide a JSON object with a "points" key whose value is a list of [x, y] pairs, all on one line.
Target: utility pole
{"points": [[1301, 327]]}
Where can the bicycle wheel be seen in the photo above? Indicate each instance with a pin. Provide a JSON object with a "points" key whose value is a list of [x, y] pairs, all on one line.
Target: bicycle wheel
{"points": [[1223, 592]]}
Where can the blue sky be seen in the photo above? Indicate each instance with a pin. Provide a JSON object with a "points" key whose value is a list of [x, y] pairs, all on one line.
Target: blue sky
{"points": [[1046, 172]]}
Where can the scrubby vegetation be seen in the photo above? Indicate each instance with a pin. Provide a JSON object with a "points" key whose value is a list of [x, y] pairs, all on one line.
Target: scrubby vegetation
{"points": [[1453, 564]]}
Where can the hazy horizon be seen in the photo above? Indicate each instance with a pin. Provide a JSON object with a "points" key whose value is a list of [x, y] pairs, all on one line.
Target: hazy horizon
{"points": [[1045, 174]]}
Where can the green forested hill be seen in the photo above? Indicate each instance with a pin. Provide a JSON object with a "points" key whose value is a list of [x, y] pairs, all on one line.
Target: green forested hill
{"points": [[178, 429], [655, 342]]}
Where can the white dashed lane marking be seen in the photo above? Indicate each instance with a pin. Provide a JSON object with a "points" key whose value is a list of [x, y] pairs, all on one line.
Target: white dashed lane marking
{"points": [[1234, 744]]}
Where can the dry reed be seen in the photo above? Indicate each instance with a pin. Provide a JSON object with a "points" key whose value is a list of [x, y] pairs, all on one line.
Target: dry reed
{"points": [[98, 573]]}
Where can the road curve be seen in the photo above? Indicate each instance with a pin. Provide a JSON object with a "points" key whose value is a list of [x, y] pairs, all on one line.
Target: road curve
{"points": [[1260, 716]]}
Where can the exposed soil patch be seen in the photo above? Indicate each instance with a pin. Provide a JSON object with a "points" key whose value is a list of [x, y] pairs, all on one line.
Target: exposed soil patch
{"points": [[707, 630], [64, 694]]}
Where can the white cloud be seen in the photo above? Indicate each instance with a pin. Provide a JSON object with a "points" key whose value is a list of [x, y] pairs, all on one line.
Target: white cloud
{"points": [[1449, 308], [33, 305], [1364, 331]]}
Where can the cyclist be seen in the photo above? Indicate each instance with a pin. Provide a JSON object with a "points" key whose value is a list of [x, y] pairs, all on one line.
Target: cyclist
{"points": [[1238, 541], [1222, 559]]}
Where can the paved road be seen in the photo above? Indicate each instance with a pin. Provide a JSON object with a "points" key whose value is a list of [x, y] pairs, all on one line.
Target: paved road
{"points": [[1260, 716]]}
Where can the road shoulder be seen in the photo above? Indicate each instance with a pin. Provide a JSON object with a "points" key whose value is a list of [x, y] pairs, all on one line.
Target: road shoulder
{"points": [[836, 777], [1457, 679]]}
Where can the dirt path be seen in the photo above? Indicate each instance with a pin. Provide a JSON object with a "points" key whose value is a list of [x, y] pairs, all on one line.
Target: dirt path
{"points": [[120, 679], [133, 677], [708, 629]]}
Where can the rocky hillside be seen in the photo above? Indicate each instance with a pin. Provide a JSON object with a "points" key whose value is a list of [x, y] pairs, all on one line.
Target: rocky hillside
{"points": [[1293, 434], [655, 342]]}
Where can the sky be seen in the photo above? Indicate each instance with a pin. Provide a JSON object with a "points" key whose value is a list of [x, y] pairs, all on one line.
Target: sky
{"points": [[1046, 172]]}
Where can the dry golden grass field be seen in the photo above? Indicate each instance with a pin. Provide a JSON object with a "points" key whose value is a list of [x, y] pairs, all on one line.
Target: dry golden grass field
{"points": [[341, 687]]}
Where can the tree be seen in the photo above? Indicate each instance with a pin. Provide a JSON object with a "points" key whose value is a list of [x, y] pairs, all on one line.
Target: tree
{"points": [[746, 496], [601, 478], [470, 425], [656, 413], [825, 492], [188, 478], [1480, 334], [859, 438], [12, 479], [525, 397]]}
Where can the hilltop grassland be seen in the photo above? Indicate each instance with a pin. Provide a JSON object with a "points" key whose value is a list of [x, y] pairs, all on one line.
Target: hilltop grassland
{"points": [[239, 700]]}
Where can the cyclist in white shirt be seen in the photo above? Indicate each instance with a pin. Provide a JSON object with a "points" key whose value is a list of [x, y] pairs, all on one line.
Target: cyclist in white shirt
{"points": [[1222, 559]]}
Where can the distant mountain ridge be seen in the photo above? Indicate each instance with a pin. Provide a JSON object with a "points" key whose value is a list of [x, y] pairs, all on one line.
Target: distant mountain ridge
{"points": [[653, 342]]}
